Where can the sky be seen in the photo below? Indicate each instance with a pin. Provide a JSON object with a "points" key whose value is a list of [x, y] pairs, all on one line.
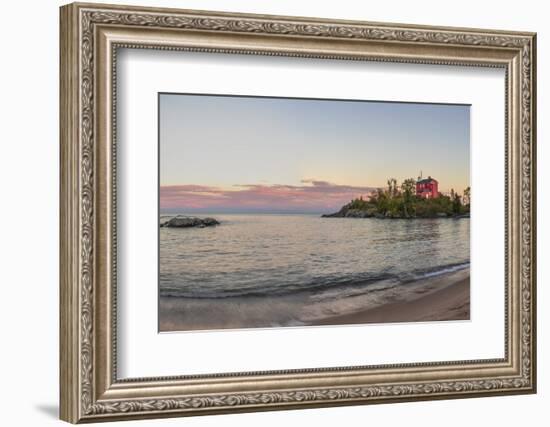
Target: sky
{"points": [[257, 154]]}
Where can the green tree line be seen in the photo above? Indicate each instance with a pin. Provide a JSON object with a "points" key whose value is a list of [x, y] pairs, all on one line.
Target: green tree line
{"points": [[401, 201]]}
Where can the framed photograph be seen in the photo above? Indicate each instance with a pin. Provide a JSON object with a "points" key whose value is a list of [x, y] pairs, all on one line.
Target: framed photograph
{"points": [[266, 212]]}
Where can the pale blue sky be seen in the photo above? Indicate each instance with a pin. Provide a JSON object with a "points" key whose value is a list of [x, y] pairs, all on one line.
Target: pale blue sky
{"points": [[225, 141]]}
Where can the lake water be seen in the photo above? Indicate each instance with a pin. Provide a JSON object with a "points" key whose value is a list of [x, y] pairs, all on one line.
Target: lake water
{"points": [[326, 258]]}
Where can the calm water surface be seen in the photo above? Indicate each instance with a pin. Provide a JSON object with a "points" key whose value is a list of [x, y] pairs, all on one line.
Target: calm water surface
{"points": [[278, 255]]}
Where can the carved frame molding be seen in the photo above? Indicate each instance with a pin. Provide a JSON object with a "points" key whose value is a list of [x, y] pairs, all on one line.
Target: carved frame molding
{"points": [[90, 36]]}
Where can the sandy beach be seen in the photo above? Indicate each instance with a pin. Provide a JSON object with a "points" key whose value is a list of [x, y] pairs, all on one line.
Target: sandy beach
{"points": [[438, 298], [452, 302]]}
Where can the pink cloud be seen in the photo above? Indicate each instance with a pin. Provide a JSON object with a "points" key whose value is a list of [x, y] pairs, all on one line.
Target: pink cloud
{"points": [[312, 195]]}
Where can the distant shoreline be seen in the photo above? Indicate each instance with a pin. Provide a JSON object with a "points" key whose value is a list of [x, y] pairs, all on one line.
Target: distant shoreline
{"points": [[361, 216], [215, 213]]}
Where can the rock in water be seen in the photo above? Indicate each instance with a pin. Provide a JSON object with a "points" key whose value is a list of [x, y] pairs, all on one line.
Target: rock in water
{"points": [[210, 221], [181, 221]]}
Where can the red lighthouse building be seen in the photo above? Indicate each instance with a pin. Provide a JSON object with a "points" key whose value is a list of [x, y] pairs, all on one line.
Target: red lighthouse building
{"points": [[427, 188]]}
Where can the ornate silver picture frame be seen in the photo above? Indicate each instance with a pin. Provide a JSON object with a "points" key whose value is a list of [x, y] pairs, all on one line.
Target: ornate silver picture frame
{"points": [[91, 35]]}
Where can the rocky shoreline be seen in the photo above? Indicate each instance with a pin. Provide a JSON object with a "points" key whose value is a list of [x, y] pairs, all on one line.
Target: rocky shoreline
{"points": [[373, 213], [182, 221]]}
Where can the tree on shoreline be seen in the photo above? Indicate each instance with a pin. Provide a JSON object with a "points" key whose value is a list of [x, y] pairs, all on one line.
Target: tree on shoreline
{"points": [[408, 188], [466, 197], [402, 202]]}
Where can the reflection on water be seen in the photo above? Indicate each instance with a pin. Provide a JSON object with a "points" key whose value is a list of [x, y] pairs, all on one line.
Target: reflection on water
{"points": [[256, 255]]}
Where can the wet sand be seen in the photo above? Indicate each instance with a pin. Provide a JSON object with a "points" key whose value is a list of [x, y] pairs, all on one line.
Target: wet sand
{"points": [[439, 298], [449, 303]]}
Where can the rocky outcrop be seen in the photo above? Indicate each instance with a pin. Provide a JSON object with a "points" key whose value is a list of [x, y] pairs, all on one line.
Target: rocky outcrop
{"points": [[182, 221], [345, 212]]}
